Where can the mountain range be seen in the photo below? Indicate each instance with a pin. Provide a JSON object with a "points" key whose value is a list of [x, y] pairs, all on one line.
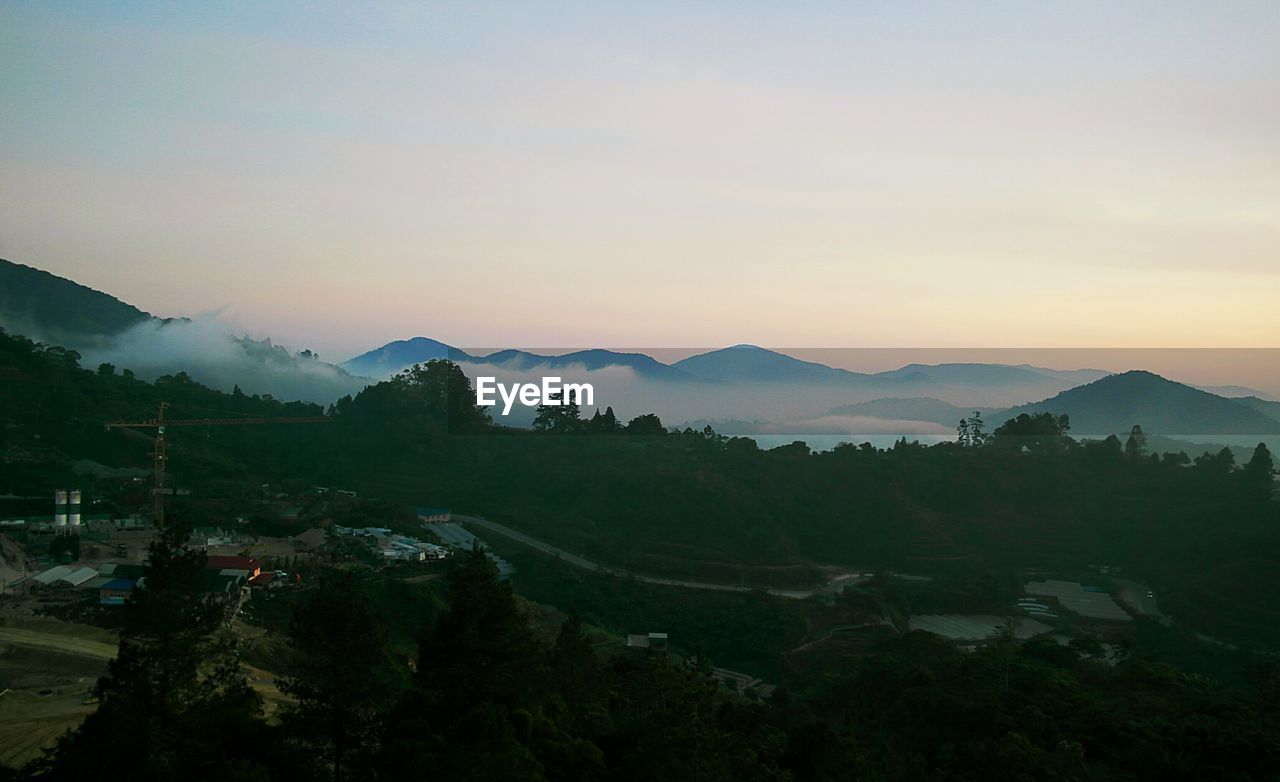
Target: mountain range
{"points": [[743, 381], [1109, 405], [397, 356], [742, 365]]}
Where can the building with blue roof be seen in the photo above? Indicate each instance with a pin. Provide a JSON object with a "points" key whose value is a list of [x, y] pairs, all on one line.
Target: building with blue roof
{"points": [[116, 591]]}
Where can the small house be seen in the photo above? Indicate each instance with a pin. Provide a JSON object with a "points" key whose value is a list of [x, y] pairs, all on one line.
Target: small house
{"points": [[116, 591]]}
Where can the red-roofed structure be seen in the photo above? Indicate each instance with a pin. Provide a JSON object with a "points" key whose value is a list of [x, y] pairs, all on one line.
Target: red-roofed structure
{"points": [[262, 579]]}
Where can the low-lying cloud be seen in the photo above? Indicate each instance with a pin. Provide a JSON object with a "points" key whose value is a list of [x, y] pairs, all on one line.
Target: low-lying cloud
{"points": [[730, 408], [210, 353]]}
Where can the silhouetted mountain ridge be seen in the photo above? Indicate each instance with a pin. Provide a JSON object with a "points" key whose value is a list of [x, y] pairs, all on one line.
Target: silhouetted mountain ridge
{"points": [[103, 329], [395, 356], [1265, 406], [44, 306], [399, 355], [1117, 402]]}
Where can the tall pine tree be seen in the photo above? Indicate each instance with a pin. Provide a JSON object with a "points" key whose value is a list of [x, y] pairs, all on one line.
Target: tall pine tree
{"points": [[174, 704], [340, 677]]}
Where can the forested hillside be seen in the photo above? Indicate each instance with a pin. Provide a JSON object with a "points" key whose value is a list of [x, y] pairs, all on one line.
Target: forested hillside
{"points": [[36, 302], [485, 698], [691, 504]]}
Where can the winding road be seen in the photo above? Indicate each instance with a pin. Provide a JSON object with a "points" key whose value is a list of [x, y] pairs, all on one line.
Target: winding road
{"points": [[834, 585]]}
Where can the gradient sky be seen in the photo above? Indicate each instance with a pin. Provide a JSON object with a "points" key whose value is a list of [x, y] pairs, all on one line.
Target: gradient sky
{"points": [[837, 174]]}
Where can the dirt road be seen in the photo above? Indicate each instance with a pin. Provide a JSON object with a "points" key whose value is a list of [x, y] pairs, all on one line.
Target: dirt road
{"points": [[57, 642]]}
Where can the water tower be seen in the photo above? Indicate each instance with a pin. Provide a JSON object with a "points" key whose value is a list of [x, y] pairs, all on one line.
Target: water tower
{"points": [[60, 510]]}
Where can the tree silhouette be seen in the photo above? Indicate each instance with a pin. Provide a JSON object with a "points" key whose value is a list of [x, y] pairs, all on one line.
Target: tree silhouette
{"points": [[1136, 445], [647, 424], [977, 435], [558, 416], [339, 678], [1258, 473]]}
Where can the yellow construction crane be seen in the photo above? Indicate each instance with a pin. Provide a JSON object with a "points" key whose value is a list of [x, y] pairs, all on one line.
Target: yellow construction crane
{"points": [[160, 424]]}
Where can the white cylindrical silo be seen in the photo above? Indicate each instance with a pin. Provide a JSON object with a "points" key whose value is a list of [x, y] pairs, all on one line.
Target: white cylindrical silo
{"points": [[60, 508], [73, 508]]}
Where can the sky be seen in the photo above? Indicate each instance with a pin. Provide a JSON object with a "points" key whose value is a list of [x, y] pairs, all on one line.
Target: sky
{"points": [[871, 174]]}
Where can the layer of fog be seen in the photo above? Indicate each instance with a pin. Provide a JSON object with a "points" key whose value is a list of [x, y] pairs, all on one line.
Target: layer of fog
{"points": [[211, 354], [733, 408]]}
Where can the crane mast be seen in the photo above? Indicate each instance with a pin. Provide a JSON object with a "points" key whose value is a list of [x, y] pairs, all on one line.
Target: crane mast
{"points": [[159, 424]]}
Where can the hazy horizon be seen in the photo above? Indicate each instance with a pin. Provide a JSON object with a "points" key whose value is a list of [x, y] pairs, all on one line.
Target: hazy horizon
{"points": [[208, 342]]}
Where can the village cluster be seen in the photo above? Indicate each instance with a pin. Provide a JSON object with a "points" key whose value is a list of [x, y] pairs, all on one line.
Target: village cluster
{"points": [[67, 556]]}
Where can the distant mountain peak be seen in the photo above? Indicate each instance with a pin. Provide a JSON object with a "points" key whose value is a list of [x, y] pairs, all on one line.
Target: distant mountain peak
{"points": [[756, 364], [1113, 404], [1139, 373], [402, 353]]}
